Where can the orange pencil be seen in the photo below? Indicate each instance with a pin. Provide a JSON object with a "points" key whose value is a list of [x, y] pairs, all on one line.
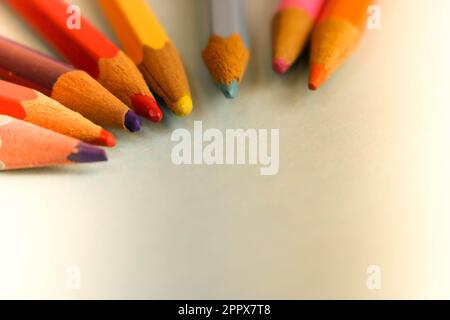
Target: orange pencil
{"points": [[89, 50], [24, 145], [336, 35], [32, 106]]}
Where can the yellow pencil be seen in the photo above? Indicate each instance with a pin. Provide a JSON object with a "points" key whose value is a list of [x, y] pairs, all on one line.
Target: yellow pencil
{"points": [[148, 45]]}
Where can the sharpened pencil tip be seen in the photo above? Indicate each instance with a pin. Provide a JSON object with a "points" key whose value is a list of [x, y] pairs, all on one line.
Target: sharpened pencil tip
{"points": [[183, 107], [132, 121], [147, 107], [87, 153], [230, 90], [317, 76], [280, 66], [106, 139]]}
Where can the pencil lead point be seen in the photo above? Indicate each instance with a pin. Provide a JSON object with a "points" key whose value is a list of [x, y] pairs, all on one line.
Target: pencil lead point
{"points": [[317, 76], [87, 153], [132, 121], [106, 139], [230, 90], [183, 107], [147, 107], [280, 66]]}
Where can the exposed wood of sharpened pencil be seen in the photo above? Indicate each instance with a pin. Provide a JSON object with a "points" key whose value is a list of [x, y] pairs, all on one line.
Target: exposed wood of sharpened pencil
{"points": [[146, 42], [227, 53], [25, 145], [292, 25], [73, 88], [32, 106], [336, 35]]}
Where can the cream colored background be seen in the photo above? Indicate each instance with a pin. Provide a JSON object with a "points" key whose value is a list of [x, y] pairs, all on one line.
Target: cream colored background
{"points": [[364, 179]]}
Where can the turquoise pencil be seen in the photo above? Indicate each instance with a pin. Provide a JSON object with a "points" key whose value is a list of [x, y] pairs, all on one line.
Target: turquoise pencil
{"points": [[227, 53]]}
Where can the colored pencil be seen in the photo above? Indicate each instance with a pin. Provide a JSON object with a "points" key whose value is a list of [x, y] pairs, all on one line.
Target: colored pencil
{"points": [[336, 35], [291, 29], [145, 41], [25, 145], [89, 50], [73, 88], [32, 106], [228, 51]]}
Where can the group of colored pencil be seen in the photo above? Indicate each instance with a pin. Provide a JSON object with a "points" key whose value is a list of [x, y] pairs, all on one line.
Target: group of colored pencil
{"points": [[55, 106], [334, 27], [48, 107]]}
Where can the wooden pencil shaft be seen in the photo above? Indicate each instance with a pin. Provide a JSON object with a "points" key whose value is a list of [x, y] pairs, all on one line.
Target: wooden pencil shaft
{"points": [[227, 18], [135, 25], [354, 12], [32, 106], [29, 67], [73, 88], [145, 41], [83, 47], [335, 36], [311, 7]]}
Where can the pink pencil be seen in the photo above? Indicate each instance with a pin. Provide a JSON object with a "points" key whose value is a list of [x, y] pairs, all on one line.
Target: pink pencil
{"points": [[291, 28]]}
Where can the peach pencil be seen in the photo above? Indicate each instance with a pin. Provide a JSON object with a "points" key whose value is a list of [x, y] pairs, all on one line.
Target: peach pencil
{"points": [[291, 29], [25, 145]]}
